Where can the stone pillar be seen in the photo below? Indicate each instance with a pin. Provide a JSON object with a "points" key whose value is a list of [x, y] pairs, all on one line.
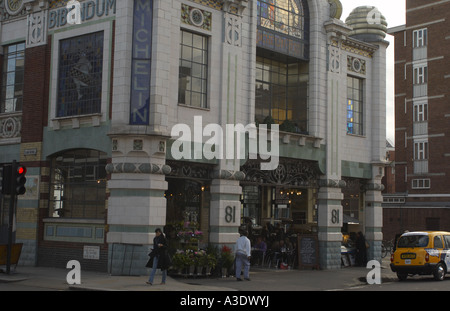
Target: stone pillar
{"points": [[374, 214], [225, 212], [330, 216], [137, 205]]}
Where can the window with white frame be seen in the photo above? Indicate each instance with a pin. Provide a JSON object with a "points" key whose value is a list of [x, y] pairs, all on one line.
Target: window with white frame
{"points": [[420, 74], [13, 75], [420, 38], [420, 112], [421, 184], [193, 70], [421, 150]]}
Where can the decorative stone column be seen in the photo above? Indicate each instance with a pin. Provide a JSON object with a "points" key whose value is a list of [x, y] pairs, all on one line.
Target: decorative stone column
{"points": [[137, 205], [225, 212], [374, 214], [330, 220]]}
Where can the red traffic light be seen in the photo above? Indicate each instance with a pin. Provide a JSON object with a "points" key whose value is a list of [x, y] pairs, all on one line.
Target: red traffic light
{"points": [[21, 170], [20, 180]]}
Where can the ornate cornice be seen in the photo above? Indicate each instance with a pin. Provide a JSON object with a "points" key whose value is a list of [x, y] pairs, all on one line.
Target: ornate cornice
{"points": [[332, 183], [138, 168], [235, 6]]}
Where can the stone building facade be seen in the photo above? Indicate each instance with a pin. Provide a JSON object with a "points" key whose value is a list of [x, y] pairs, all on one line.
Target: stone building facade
{"points": [[90, 106]]}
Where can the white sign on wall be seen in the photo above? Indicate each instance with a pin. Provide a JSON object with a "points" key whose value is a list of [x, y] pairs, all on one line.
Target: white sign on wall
{"points": [[91, 252]]}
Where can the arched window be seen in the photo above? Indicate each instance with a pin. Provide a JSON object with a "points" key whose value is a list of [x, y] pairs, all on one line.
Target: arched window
{"points": [[283, 26], [78, 184]]}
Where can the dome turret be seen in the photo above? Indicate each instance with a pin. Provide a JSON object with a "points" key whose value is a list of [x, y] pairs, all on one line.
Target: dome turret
{"points": [[368, 24]]}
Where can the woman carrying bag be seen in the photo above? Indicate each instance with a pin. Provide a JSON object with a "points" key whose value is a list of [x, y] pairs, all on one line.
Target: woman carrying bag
{"points": [[159, 257]]}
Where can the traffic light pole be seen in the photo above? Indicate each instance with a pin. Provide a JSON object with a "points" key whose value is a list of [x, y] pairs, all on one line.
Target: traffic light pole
{"points": [[12, 201]]}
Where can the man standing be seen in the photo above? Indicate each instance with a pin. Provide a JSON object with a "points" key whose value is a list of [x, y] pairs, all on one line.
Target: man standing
{"points": [[243, 254]]}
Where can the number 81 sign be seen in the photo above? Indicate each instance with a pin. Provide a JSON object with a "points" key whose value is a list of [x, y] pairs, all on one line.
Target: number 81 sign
{"points": [[335, 216], [230, 214]]}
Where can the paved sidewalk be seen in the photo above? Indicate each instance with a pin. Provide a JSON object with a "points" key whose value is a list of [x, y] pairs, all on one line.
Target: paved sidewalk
{"points": [[261, 280]]}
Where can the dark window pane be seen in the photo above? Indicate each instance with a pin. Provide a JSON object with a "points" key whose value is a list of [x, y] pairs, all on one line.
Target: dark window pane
{"points": [[193, 75]]}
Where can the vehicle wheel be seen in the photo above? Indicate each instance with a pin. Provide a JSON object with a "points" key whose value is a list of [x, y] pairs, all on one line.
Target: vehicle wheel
{"points": [[383, 251], [402, 276], [439, 272]]}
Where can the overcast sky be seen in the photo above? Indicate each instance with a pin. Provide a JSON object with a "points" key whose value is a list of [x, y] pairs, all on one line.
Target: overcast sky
{"points": [[394, 11]]}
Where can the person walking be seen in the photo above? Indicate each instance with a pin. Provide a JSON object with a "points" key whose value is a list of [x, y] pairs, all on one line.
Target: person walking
{"points": [[361, 250], [243, 255], [159, 258]]}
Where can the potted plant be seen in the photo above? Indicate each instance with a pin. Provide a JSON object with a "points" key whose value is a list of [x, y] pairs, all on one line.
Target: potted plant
{"points": [[268, 121], [288, 126], [179, 261], [211, 262], [227, 260], [200, 261]]}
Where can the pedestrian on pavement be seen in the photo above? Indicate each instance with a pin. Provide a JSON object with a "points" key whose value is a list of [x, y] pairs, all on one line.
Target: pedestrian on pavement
{"points": [[159, 257], [361, 250], [243, 255]]}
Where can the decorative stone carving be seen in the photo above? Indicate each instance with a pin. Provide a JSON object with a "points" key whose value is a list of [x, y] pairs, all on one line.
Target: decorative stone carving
{"points": [[10, 127], [191, 170], [138, 168], [196, 17], [289, 172], [355, 64], [233, 29], [229, 175], [374, 187], [332, 183], [6, 14], [335, 59], [235, 6], [335, 8], [37, 29]]}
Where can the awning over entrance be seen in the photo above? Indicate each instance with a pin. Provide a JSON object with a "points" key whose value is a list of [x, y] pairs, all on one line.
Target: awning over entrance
{"points": [[350, 220]]}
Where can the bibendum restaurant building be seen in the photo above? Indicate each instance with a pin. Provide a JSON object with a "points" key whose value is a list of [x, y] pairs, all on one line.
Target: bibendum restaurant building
{"points": [[89, 106]]}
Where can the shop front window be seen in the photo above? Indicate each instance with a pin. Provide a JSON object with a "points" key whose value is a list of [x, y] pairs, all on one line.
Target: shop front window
{"points": [[78, 185], [187, 213]]}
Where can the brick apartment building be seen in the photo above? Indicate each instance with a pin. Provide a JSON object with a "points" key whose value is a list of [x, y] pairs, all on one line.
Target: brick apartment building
{"points": [[422, 114]]}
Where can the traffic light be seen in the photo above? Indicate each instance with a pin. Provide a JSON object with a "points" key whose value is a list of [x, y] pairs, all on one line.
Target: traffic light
{"points": [[20, 179], [6, 179]]}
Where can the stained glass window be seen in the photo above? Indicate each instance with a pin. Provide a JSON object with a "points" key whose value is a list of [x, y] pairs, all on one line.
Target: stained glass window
{"points": [[80, 75], [283, 26], [285, 16], [13, 74], [355, 106]]}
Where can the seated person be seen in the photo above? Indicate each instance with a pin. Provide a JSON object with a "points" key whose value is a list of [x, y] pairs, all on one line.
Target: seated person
{"points": [[259, 250]]}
